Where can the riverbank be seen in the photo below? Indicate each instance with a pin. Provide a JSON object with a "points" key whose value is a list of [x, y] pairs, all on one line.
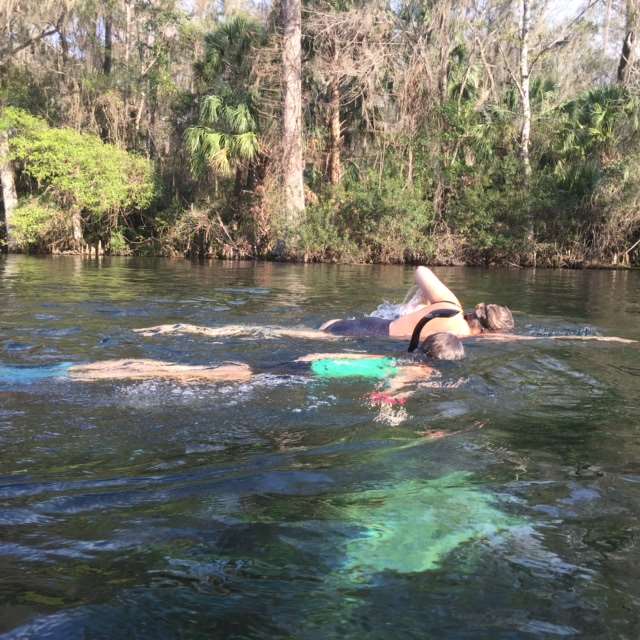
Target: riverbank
{"points": [[97, 254]]}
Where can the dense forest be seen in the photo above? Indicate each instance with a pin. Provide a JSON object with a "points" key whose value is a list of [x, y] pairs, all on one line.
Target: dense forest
{"points": [[440, 131]]}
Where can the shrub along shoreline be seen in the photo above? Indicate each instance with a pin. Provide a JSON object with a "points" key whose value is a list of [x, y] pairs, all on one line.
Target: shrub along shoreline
{"points": [[78, 194]]}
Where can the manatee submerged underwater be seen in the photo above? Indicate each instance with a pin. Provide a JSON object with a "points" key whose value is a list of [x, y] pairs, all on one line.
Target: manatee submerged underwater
{"points": [[413, 525]]}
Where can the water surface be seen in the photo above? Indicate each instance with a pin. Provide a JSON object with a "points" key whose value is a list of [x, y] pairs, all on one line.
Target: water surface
{"points": [[503, 503]]}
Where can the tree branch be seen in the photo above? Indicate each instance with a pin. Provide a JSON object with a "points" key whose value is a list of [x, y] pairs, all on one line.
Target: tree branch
{"points": [[513, 76], [562, 39], [45, 33]]}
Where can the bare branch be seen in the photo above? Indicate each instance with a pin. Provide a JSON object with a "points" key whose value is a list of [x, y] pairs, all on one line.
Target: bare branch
{"points": [[511, 73], [563, 38]]}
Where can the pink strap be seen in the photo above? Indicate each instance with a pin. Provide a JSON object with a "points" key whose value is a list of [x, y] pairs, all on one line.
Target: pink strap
{"points": [[380, 397]]}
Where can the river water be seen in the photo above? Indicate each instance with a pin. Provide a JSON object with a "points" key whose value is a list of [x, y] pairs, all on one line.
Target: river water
{"points": [[502, 501]]}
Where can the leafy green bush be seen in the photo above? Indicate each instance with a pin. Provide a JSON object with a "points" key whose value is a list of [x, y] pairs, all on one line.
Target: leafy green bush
{"points": [[118, 243], [78, 169], [321, 237], [78, 172], [37, 224], [368, 220]]}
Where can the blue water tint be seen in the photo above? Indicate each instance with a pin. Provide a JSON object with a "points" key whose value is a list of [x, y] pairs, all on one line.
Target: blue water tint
{"points": [[12, 345], [30, 375]]}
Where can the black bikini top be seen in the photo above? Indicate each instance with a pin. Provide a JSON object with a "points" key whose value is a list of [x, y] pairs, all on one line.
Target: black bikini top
{"points": [[436, 313]]}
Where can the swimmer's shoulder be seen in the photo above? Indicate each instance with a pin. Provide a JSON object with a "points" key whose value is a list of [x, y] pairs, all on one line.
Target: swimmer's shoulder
{"points": [[403, 327]]}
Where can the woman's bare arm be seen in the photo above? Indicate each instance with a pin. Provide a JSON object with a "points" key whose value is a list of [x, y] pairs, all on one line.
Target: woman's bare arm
{"points": [[433, 289], [236, 330], [509, 337], [403, 384]]}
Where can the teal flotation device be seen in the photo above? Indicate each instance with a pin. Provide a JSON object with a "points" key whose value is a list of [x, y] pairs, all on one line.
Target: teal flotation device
{"points": [[375, 368], [28, 375]]}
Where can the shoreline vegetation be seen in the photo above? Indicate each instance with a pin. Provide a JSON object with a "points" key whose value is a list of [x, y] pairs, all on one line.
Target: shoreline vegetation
{"points": [[449, 132]]}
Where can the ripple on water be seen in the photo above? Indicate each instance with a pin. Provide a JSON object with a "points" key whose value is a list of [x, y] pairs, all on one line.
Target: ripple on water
{"points": [[13, 346], [259, 291], [21, 516], [57, 333], [44, 317], [545, 331]]}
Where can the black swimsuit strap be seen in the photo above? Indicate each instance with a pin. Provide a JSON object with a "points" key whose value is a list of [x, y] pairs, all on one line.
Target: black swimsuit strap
{"points": [[455, 304], [436, 313]]}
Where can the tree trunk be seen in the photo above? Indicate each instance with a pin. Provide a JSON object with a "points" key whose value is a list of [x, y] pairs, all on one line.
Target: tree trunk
{"points": [[238, 182], [127, 31], [108, 46], [525, 132], [9, 195], [628, 57], [78, 237], [335, 141], [293, 163], [64, 46], [607, 26], [200, 8]]}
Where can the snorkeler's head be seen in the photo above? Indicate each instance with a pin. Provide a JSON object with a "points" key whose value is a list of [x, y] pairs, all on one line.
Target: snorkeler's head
{"points": [[490, 317], [442, 346]]}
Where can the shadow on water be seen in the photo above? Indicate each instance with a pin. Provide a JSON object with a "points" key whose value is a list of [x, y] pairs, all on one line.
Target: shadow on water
{"points": [[503, 504]]}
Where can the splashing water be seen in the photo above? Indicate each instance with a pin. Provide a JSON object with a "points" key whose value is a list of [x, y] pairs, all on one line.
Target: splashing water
{"points": [[390, 311]]}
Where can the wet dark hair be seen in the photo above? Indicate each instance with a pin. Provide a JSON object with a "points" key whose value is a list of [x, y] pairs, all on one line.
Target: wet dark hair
{"points": [[474, 324], [442, 346], [490, 317]]}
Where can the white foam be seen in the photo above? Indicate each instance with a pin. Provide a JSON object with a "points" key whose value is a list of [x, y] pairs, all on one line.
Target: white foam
{"points": [[152, 393]]}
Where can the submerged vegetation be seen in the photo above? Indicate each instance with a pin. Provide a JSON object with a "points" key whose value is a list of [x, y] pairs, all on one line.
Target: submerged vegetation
{"points": [[450, 131]]}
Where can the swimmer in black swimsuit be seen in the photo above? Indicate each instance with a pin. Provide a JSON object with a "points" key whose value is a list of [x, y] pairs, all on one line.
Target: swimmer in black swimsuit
{"points": [[438, 303]]}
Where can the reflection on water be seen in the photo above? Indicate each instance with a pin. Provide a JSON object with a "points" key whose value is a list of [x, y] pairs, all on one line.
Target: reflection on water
{"points": [[503, 504]]}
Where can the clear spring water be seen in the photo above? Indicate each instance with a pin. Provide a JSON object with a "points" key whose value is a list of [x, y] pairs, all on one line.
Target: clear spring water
{"points": [[502, 501]]}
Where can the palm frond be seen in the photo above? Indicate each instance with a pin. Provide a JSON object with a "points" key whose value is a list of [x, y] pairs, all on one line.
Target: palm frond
{"points": [[210, 110]]}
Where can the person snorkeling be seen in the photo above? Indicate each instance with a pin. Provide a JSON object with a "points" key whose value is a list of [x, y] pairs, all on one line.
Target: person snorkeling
{"points": [[431, 305], [397, 375]]}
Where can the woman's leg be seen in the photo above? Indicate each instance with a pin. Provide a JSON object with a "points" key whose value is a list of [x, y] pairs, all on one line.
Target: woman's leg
{"points": [[142, 369]]}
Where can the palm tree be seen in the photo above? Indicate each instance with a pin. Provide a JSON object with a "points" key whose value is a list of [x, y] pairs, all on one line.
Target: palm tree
{"points": [[225, 138], [292, 144]]}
